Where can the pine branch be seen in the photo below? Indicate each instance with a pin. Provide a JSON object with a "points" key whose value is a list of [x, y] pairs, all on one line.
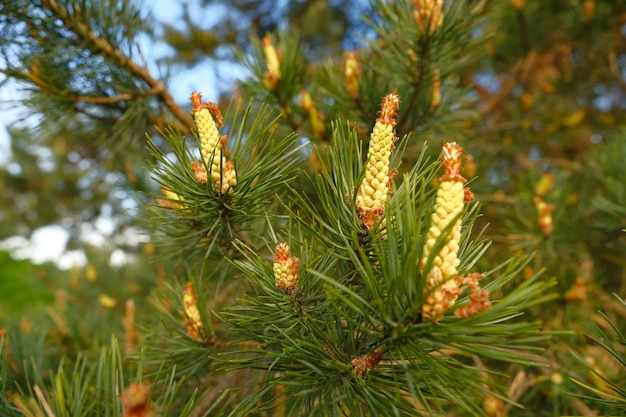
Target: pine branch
{"points": [[69, 95], [352, 329], [106, 49], [265, 164]]}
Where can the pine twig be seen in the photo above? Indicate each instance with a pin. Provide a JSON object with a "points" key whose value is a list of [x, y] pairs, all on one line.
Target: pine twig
{"points": [[422, 67], [157, 87], [68, 94]]}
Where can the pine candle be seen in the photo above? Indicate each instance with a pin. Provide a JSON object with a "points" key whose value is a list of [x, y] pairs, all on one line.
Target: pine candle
{"points": [[372, 195]]}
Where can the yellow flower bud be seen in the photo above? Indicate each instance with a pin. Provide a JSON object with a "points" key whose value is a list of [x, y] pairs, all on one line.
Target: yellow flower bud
{"points": [[372, 195]]}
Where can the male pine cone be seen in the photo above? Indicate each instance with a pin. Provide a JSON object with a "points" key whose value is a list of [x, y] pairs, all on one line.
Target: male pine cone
{"points": [[221, 171], [442, 287], [373, 193]]}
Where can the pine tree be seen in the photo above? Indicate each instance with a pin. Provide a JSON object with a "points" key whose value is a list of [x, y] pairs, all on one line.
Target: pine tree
{"points": [[318, 248]]}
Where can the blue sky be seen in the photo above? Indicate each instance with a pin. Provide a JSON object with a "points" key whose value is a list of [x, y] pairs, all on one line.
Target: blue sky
{"points": [[202, 77]]}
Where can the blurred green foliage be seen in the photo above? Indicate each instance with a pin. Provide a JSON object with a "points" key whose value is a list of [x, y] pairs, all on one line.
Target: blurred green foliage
{"points": [[22, 286]]}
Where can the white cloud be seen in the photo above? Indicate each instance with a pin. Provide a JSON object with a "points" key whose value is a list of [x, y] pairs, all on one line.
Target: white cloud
{"points": [[46, 244]]}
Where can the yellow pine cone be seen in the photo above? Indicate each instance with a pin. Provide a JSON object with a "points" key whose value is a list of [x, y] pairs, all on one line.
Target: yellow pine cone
{"points": [[191, 315], [221, 170], [441, 296], [373, 192], [229, 177], [207, 126], [285, 268], [441, 283], [448, 205]]}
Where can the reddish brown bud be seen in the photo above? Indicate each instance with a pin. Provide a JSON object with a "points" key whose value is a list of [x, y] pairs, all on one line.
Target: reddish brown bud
{"points": [[135, 401], [197, 105], [478, 299], [388, 109], [452, 161], [362, 365]]}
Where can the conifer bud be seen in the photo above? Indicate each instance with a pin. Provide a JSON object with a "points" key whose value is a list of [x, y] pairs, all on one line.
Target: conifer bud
{"points": [[441, 286], [171, 199], [589, 9], [206, 124], [352, 72], [578, 291], [285, 268], [478, 299], [229, 177], [544, 215], [362, 365], [469, 167], [273, 63], [132, 335], [106, 301], [221, 171], [136, 403], [373, 192], [428, 14], [545, 184], [191, 314], [493, 406], [435, 97], [316, 118]]}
